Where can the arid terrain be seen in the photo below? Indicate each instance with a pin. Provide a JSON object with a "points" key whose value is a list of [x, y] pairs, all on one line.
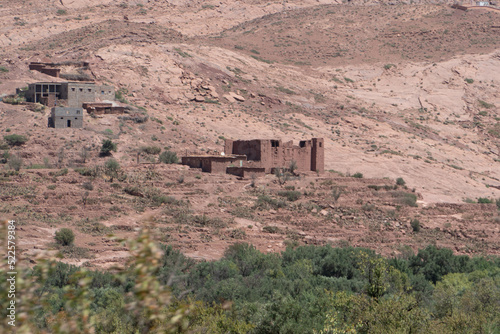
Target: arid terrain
{"points": [[397, 90]]}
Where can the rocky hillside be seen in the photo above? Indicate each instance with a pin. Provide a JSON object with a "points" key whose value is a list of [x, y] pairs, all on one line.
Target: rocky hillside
{"points": [[397, 91]]}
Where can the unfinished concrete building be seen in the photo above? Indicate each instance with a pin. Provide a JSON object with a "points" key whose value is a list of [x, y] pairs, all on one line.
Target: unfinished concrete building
{"points": [[66, 117], [46, 93], [73, 94], [260, 156]]}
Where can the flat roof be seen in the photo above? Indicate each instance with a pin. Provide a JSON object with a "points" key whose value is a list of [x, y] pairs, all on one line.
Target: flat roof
{"points": [[232, 156], [67, 111], [64, 82]]}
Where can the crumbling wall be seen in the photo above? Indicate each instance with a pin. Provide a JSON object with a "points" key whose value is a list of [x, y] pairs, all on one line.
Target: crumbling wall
{"points": [[246, 172], [250, 148], [302, 155], [318, 155], [269, 154], [45, 68], [98, 108], [213, 164]]}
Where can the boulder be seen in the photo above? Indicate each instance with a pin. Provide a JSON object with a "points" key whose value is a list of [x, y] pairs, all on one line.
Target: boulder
{"points": [[237, 97], [229, 98]]}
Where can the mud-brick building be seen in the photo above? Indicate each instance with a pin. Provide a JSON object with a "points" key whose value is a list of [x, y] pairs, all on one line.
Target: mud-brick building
{"points": [[213, 163], [45, 68], [100, 108], [260, 156], [309, 155], [66, 117]]}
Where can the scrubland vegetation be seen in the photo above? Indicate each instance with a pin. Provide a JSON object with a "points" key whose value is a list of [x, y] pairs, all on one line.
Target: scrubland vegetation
{"points": [[308, 289]]}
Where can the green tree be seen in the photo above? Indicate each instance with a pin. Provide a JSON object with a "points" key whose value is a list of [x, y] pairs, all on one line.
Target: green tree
{"points": [[112, 169], [169, 157], [65, 237], [15, 140], [374, 270], [107, 147]]}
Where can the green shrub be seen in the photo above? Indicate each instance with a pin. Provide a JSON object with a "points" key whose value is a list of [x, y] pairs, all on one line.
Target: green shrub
{"points": [[107, 147], [265, 201], [485, 104], [336, 192], [271, 229], [405, 198], [285, 90], [151, 150], [495, 130], [15, 162], [484, 200], [400, 181], [267, 61], [415, 225], [293, 166], [358, 175], [168, 157], [134, 191], [469, 80], [93, 172], [65, 237], [238, 233], [112, 168], [61, 172], [291, 195], [119, 96], [13, 99], [15, 140], [88, 186]]}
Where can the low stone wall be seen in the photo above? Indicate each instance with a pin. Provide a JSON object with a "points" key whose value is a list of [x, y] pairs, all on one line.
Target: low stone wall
{"points": [[246, 172]]}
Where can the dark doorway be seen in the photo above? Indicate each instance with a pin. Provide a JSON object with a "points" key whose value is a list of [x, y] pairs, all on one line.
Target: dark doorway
{"points": [[69, 123]]}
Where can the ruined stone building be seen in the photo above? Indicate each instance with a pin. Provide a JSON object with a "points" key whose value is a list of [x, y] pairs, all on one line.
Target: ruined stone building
{"points": [[100, 108], [66, 117], [260, 156], [55, 69], [268, 154], [213, 163], [45, 68]]}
